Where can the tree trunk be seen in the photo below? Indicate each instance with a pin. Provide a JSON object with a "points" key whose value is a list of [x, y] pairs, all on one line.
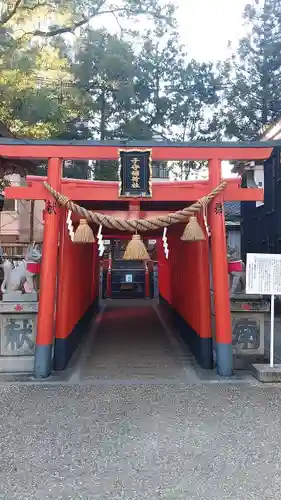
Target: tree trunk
{"points": [[265, 70], [102, 118], [99, 163]]}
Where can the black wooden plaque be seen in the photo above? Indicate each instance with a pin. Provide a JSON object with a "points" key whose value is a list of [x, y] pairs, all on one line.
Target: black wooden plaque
{"points": [[135, 173]]}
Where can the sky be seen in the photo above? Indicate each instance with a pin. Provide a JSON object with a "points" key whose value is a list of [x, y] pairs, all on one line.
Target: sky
{"points": [[206, 26]]}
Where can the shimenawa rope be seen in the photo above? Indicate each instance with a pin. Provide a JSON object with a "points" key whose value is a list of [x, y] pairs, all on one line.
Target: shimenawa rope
{"points": [[135, 224]]}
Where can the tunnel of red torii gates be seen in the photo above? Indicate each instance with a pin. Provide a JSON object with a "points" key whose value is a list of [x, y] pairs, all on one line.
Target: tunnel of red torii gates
{"points": [[69, 276]]}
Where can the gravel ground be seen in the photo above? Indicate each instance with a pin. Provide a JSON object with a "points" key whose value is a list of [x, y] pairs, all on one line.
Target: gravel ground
{"points": [[134, 421], [140, 442]]}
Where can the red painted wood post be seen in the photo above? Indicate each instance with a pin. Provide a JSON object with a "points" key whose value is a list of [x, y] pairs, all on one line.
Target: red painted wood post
{"points": [[96, 271], [147, 287], [220, 276], [63, 279], [164, 273], [109, 279], [204, 303], [64, 311], [48, 280]]}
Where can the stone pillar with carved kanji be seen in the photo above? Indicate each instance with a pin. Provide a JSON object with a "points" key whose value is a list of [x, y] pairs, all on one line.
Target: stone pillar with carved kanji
{"points": [[18, 312]]}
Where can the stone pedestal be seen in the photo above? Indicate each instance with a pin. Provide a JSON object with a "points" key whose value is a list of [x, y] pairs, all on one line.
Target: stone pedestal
{"points": [[20, 297], [248, 314], [248, 319], [267, 374], [18, 326]]}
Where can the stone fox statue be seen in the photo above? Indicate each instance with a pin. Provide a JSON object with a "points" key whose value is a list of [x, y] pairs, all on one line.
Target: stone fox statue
{"points": [[15, 278]]}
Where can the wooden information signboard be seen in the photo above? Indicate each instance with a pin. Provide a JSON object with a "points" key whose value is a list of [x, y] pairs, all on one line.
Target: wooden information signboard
{"points": [[263, 277]]}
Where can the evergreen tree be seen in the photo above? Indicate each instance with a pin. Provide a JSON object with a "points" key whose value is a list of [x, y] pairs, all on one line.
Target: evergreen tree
{"points": [[194, 112], [253, 91], [100, 85], [104, 71], [32, 89], [157, 67]]}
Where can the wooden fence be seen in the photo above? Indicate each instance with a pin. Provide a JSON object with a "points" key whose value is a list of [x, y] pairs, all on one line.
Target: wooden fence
{"points": [[14, 251]]}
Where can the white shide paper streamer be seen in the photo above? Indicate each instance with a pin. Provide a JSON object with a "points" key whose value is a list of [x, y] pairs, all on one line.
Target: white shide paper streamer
{"points": [[100, 241], [70, 225], [165, 243]]}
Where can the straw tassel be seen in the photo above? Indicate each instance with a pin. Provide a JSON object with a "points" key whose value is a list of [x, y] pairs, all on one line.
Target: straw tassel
{"points": [[83, 233], [136, 249], [193, 231]]}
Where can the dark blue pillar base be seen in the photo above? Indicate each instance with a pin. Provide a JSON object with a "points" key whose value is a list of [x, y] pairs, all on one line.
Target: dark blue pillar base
{"points": [[201, 348], [65, 348], [43, 360], [224, 359]]}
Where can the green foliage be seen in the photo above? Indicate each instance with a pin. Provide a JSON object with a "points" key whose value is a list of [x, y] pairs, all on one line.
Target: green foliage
{"points": [[106, 170], [104, 72], [4, 182], [252, 75], [141, 96], [135, 85], [31, 86]]}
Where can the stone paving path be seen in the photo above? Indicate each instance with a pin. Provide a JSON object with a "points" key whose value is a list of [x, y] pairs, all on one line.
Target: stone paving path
{"points": [[145, 429], [133, 344]]}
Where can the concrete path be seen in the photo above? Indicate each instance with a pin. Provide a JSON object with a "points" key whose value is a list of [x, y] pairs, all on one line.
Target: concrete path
{"points": [[145, 429]]}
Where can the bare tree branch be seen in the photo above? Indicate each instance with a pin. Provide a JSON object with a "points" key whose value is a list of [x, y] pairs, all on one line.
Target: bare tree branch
{"points": [[119, 24], [85, 20], [18, 6], [7, 16], [39, 5]]}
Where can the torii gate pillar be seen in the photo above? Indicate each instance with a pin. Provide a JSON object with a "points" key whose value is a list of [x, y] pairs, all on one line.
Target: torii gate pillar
{"points": [[48, 280], [220, 276]]}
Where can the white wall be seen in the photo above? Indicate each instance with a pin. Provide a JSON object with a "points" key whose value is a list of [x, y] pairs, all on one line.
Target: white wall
{"points": [[16, 223]]}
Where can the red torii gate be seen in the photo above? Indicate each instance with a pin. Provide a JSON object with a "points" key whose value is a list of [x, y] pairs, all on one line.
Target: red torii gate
{"points": [[57, 151]]}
